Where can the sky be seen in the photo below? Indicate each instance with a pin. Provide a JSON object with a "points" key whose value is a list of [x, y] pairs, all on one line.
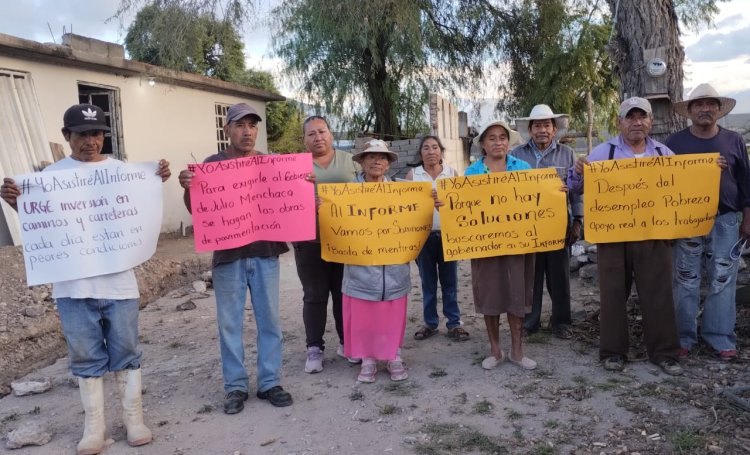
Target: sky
{"points": [[719, 55]]}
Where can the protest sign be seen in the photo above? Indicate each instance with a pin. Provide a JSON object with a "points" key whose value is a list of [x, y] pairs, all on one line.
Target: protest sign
{"points": [[374, 223], [101, 218], [261, 197], [666, 197], [502, 213]]}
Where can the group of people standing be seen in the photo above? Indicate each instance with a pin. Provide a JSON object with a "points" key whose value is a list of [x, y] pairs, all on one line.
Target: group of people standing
{"points": [[99, 315], [667, 273]]}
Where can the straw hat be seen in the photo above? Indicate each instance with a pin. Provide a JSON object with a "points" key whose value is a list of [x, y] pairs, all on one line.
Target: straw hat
{"points": [[705, 91], [375, 146]]}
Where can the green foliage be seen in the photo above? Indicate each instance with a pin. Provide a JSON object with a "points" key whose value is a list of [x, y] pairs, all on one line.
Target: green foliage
{"points": [[695, 14], [384, 54], [283, 118], [173, 37], [557, 57], [234, 12]]}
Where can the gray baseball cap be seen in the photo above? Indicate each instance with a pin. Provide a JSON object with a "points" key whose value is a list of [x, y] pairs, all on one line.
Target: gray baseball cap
{"points": [[240, 110], [634, 103]]}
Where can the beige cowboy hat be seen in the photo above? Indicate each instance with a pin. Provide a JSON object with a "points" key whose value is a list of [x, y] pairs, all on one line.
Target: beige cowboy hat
{"points": [[514, 138], [705, 91], [375, 146], [543, 112]]}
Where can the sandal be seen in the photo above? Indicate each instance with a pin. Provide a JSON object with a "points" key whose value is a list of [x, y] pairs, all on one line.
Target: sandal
{"points": [[458, 334], [424, 333]]}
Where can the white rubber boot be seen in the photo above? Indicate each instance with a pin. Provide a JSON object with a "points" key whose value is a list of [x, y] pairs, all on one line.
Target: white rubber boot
{"points": [[129, 388], [92, 398]]}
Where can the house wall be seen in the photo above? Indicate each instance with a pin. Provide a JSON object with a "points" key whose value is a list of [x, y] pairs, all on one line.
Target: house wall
{"points": [[163, 121], [444, 123]]}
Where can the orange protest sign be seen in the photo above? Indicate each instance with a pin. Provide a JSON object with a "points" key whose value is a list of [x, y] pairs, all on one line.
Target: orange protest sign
{"points": [[666, 197], [502, 213], [374, 223]]}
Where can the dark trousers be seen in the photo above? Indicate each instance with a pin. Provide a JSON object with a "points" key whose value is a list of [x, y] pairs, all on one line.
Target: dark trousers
{"points": [[319, 278], [650, 263], [555, 267], [433, 267]]}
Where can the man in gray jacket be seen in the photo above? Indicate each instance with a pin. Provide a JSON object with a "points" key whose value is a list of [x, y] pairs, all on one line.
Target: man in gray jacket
{"points": [[543, 151]]}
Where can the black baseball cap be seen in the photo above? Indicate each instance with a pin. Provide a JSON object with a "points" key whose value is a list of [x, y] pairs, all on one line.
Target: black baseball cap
{"points": [[84, 117]]}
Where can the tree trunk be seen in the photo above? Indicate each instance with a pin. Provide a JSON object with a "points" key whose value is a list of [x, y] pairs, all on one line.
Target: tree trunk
{"points": [[382, 89], [647, 24], [589, 122]]}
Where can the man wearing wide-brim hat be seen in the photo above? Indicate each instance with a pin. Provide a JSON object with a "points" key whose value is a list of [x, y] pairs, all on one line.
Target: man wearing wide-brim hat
{"points": [[543, 151], [704, 107]]}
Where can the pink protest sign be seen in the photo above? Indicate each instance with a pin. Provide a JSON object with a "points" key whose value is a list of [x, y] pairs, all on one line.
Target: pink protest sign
{"points": [[262, 197]]}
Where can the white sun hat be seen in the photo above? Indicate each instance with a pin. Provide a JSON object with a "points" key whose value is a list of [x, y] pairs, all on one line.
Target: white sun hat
{"points": [[703, 91], [514, 138]]}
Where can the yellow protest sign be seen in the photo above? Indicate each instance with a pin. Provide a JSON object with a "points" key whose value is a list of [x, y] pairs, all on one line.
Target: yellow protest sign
{"points": [[502, 213], [665, 197], [374, 223]]}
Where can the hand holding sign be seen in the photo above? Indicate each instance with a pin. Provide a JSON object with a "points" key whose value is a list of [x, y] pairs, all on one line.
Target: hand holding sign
{"points": [[88, 221], [374, 223], [666, 197], [502, 213], [262, 197]]}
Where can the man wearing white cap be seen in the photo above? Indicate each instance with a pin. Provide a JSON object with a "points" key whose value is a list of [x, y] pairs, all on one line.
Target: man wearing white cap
{"points": [[648, 262], [704, 107], [543, 151]]}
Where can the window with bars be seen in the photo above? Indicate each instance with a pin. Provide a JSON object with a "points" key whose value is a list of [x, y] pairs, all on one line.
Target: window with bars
{"points": [[222, 141]]}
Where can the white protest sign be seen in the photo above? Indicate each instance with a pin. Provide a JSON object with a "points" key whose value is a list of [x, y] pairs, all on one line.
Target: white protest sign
{"points": [[99, 218]]}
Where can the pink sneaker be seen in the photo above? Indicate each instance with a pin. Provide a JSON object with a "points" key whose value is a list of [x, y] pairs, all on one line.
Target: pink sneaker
{"points": [[397, 369], [729, 354], [368, 370]]}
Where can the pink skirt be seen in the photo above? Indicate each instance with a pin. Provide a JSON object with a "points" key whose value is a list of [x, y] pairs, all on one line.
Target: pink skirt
{"points": [[373, 329]]}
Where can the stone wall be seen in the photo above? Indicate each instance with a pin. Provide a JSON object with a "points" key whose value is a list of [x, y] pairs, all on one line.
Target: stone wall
{"points": [[445, 124]]}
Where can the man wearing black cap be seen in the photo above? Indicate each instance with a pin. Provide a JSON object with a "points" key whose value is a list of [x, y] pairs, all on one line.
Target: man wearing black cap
{"points": [[99, 314], [256, 267]]}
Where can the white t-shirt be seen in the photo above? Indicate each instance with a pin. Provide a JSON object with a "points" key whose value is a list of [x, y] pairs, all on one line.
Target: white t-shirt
{"points": [[115, 286], [420, 175]]}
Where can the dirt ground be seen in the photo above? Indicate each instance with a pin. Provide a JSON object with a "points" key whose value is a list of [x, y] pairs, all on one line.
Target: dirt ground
{"points": [[448, 405]]}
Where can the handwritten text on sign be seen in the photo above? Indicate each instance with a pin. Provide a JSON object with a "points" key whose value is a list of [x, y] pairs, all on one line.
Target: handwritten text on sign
{"points": [[88, 221], [374, 223], [667, 197], [502, 213], [262, 197]]}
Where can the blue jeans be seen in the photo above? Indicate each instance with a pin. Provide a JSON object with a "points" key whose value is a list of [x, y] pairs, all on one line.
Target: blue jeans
{"points": [[102, 335], [231, 282], [432, 266], [719, 312]]}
